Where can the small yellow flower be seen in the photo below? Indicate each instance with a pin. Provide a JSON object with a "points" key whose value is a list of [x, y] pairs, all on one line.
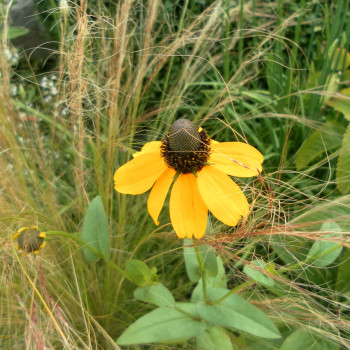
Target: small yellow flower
{"points": [[30, 239], [200, 167]]}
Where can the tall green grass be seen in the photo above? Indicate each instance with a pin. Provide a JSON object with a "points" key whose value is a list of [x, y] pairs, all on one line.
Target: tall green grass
{"points": [[126, 71]]}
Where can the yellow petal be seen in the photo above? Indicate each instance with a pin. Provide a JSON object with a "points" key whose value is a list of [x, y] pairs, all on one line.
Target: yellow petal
{"points": [[236, 159], [139, 174], [188, 213], [222, 196], [158, 194], [153, 146]]}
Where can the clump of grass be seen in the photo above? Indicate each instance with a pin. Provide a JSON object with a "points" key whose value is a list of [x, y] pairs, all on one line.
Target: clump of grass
{"points": [[125, 73]]}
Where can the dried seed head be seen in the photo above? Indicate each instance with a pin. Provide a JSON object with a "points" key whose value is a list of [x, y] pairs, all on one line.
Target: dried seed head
{"points": [[184, 136], [185, 148], [30, 239]]}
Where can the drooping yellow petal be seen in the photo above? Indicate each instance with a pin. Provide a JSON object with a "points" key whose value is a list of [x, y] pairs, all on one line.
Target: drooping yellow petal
{"points": [[188, 213], [222, 196], [159, 192], [153, 146], [139, 174], [236, 159]]}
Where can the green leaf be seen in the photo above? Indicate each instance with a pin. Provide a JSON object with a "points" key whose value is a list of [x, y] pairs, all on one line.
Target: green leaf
{"points": [[188, 308], [214, 338], [326, 138], [209, 260], [191, 261], [192, 264], [343, 166], [15, 32], [235, 312], [323, 253], [341, 102], [156, 294], [164, 324], [220, 281], [343, 276], [257, 275], [139, 272], [95, 231], [303, 339]]}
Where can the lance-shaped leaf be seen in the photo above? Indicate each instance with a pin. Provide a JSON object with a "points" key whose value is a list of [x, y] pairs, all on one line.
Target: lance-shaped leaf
{"points": [[303, 339], [165, 324], [95, 231], [256, 273], [214, 338], [235, 312], [156, 294], [324, 252]]}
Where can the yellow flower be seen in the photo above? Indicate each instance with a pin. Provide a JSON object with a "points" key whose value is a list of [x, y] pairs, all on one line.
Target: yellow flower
{"points": [[200, 167], [30, 239]]}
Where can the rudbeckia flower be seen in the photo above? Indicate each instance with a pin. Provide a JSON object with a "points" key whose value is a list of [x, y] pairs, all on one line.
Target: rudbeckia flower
{"points": [[30, 239], [200, 169]]}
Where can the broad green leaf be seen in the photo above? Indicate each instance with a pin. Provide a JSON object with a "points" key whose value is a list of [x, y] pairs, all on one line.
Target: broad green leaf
{"points": [[219, 281], [191, 261], [343, 166], [323, 253], [139, 272], [343, 277], [303, 339], [257, 275], [214, 338], [341, 102], [330, 226], [164, 324], [325, 139], [188, 308], [156, 294], [95, 231], [15, 32], [235, 312]]}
